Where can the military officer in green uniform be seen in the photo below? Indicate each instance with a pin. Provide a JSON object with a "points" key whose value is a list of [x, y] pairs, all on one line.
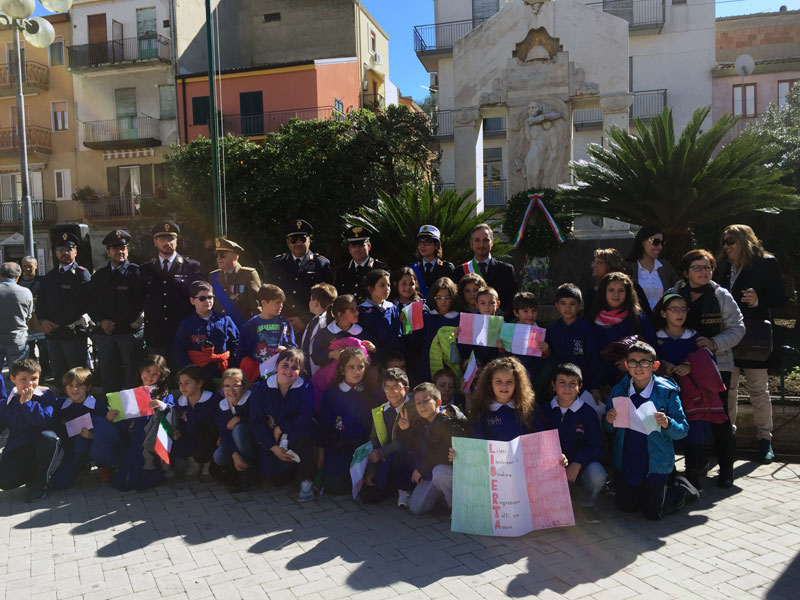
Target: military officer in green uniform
{"points": [[298, 269], [235, 286]]}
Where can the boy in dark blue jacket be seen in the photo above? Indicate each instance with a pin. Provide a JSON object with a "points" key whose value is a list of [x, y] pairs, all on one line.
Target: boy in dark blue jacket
{"points": [[580, 435], [33, 450]]}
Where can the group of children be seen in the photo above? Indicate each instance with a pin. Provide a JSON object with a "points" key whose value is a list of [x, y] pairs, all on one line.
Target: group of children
{"points": [[257, 401]]}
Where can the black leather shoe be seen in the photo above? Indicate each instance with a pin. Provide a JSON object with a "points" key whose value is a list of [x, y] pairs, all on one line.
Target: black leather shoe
{"points": [[36, 494], [725, 479]]}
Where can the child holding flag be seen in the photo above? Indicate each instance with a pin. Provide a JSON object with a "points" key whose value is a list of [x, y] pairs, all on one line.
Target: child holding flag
{"points": [[196, 435], [405, 288], [379, 317]]}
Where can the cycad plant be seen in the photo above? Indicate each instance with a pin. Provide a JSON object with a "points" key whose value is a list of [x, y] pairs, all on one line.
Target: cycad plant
{"points": [[677, 184], [395, 220]]}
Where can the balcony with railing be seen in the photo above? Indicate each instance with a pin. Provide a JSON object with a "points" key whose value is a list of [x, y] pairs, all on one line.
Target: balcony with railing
{"points": [[42, 211], [441, 124], [640, 14], [35, 78], [495, 192], [39, 141], [122, 53], [431, 41], [122, 206], [122, 133], [648, 104], [374, 102], [587, 118], [262, 123]]}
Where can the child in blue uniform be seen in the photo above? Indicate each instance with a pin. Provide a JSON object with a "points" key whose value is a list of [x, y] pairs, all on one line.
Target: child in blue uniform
{"points": [[503, 404], [236, 454], [345, 420], [342, 319], [645, 463], [441, 297], [33, 447], [488, 303], [138, 467], [206, 338], [581, 437], [379, 317], [78, 444], [445, 381], [266, 334], [467, 296], [281, 413], [196, 435], [617, 314], [405, 288]]}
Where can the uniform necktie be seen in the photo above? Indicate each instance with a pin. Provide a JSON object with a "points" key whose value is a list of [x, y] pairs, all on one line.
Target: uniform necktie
{"points": [[297, 262], [428, 268], [165, 266]]}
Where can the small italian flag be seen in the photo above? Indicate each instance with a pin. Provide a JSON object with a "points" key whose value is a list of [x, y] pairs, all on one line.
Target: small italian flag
{"points": [[469, 372], [522, 339], [413, 320], [471, 267], [164, 438], [479, 330], [130, 403]]}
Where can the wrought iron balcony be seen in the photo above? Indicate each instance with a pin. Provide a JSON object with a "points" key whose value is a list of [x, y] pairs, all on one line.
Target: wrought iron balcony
{"points": [[441, 124], [640, 14], [263, 123], [648, 103], [35, 78], [39, 141], [105, 207], [374, 102], [126, 52], [439, 38], [121, 133], [587, 118], [42, 211], [494, 192]]}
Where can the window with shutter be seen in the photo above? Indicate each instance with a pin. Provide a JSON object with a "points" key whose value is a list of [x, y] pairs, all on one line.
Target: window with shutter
{"points": [[56, 52], [125, 102], [483, 9], [166, 101], [63, 184], [200, 110], [60, 121]]}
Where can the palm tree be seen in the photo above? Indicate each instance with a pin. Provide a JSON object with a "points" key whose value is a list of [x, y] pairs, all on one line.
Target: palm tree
{"points": [[395, 220], [652, 178]]}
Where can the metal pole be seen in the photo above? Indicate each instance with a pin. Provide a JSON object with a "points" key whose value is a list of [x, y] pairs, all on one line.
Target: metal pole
{"points": [[212, 122], [27, 211]]}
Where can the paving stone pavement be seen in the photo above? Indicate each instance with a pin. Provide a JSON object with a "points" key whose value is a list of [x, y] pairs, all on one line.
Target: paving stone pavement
{"points": [[189, 539]]}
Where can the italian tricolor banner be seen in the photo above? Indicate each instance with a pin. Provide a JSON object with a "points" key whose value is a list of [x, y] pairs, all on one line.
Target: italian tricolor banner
{"points": [[413, 320], [479, 330], [164, 438], [471, 267], [469, 373], [522, 339], [130, 403]]}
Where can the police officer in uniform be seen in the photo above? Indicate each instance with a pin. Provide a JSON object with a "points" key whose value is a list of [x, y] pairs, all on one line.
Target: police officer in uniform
{"points": [[116, 305], [167, 280], [298, 269], [61, 306], [430, 265], [350, 276], [234, 285]]}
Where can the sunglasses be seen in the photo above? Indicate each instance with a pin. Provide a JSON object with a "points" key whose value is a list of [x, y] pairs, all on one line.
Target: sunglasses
{"points": [[204, 298], [293, 239], [728, 242], [655, 241]]}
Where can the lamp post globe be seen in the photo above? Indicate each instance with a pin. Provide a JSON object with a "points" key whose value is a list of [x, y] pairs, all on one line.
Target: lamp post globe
{"points": [[44, 35], [57, 6], [18, 9]]}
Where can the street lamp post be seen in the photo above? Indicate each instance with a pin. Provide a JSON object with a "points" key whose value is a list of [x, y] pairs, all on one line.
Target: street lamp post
{"points": [[40, 33]]}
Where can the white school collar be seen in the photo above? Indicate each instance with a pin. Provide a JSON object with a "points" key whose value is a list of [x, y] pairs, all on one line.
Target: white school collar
{"points": [[89, 403], [225, 405], [272, 382], [495, 406], [355, 328], [184, 401], [687, 333], [451, 315], [388, 406], [384, 305], [646, 392], [39, 391], [574, 407], [345, 387]]}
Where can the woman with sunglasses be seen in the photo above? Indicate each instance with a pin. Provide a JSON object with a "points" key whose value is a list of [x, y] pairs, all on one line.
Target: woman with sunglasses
{"points": [[651, 276], [714, 315], [753, 277]]}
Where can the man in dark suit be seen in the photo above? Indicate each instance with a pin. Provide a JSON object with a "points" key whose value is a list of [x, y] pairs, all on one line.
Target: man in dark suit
{"points": [[350, 276], [430, 265], [499, 275], [297, 270], [60, 307], [167, 279], [116, 304]]}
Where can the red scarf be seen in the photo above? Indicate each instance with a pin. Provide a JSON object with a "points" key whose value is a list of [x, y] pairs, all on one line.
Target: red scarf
{"points": [[609, 318]]}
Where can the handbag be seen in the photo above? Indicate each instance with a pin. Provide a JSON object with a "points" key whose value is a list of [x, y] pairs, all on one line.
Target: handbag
{"points": [[757, 341]]}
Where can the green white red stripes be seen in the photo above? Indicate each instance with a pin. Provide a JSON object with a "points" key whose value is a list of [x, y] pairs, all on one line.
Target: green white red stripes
{"points": [[164, 438], [130, 403]]}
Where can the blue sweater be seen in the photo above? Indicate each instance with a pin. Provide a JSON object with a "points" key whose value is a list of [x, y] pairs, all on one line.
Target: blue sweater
{"points": [[24, 421], [576, 343], [502, 424], [293, 413], [194, 331], [579, 432], [225, 412], [381, 325], [675, 350], [260, 338], [67, 410], [189, 417], [345, 420]]}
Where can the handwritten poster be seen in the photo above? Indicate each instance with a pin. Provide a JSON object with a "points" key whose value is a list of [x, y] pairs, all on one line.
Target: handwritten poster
{"points": [[640, 419], [510, 488]]}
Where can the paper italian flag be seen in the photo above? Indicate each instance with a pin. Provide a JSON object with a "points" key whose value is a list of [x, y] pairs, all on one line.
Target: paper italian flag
{"points": [[164, 438], [469, 373], [522, 339], [130, 403], [358, 466], [413, 320], [479, 330]]}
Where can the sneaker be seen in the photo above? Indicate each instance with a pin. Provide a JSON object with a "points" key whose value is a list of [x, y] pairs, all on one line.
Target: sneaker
{"points": [[591, 515], [692, 492], [765, 453], [402, 498], [36, 494], [194, 468], [205, 473], [104, 475], [169, 473], [306, 491], [694, 479]]}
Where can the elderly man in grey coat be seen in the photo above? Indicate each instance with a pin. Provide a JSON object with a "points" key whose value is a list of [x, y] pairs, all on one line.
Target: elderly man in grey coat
{"points": [[16, 307]]}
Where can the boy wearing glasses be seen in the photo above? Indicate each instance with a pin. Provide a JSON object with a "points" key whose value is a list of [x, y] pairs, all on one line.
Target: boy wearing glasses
{"points": [[206, 338], [298, 269], [645, 463]]}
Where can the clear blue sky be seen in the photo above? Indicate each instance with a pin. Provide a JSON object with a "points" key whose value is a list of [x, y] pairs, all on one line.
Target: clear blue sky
{"points": [[398, 17]]}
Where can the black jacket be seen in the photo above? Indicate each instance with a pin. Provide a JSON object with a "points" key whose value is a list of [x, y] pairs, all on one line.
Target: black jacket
{"points": [[296, 282], [349, 277], [118, 297], [63, 299], [449, 423], [167, 298], [503, 278]]}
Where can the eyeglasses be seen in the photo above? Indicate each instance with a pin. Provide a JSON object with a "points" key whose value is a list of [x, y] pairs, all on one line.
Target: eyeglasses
{"points": [[728, 242], [699, 268], [442, 298], [204, 298], [644, 363], [655, 241], [678, 309], [294, 239]]}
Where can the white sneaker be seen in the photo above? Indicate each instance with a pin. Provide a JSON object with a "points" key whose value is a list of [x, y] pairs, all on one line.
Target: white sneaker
{"points": [[402, 498], [194, 468], [306, 491]]}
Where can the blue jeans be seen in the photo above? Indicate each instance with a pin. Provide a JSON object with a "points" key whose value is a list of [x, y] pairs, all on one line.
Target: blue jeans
{"points": [[590, 482], [245, 445]]}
